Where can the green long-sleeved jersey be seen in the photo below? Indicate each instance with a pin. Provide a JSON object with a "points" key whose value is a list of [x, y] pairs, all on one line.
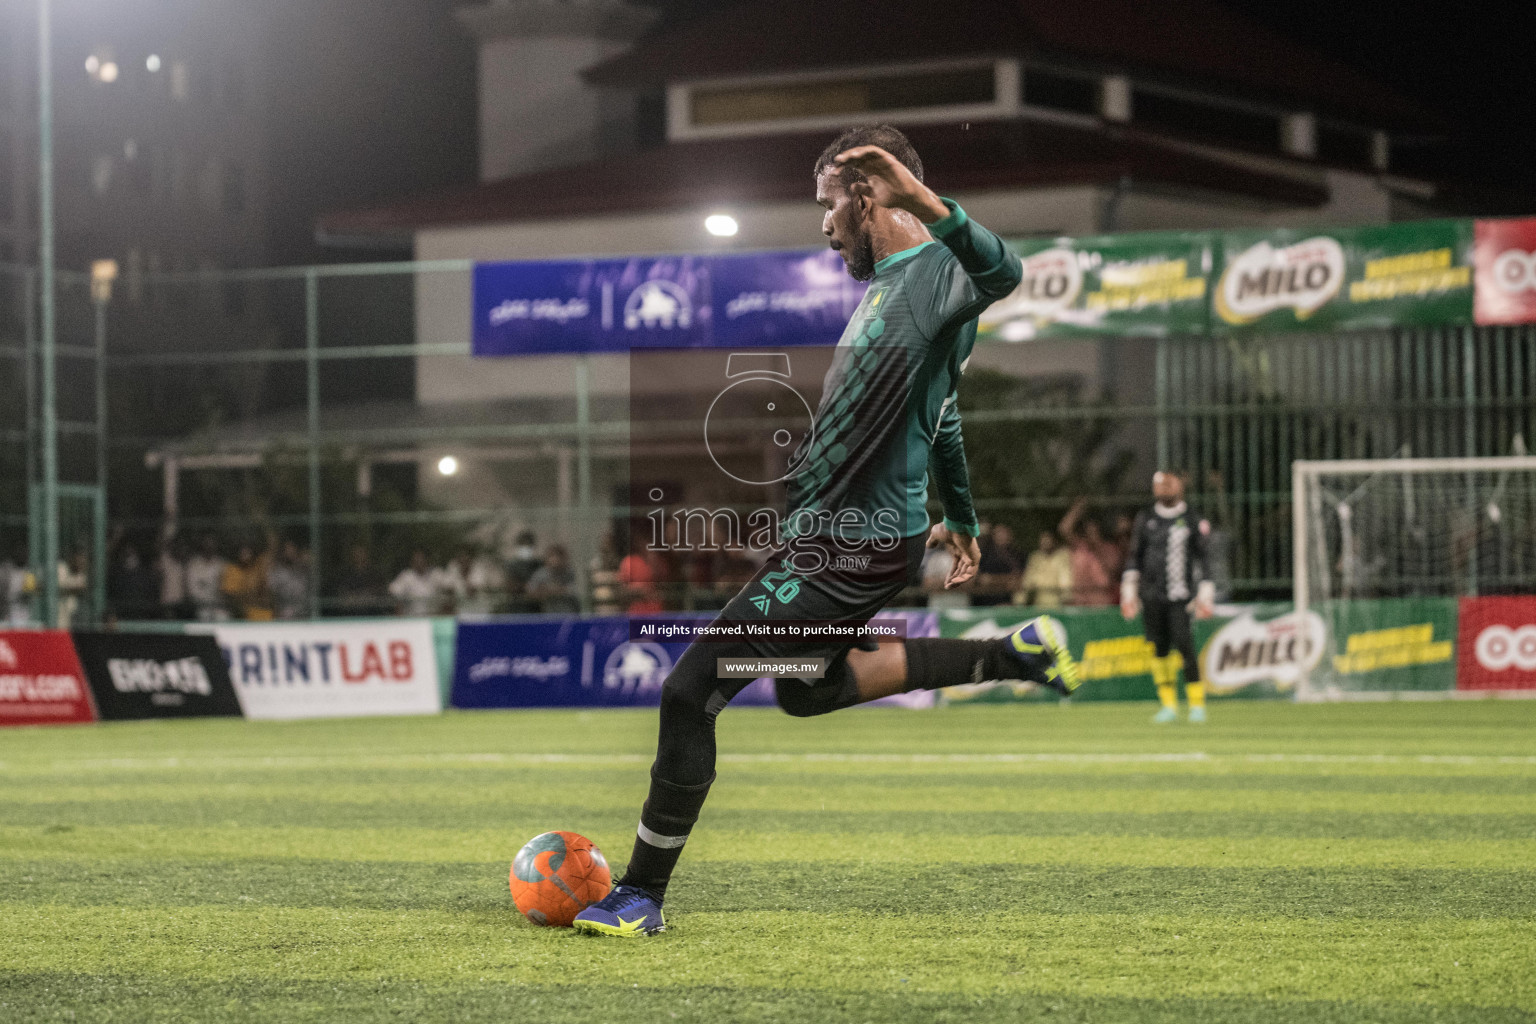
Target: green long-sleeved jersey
{"points": [[887, 414]]}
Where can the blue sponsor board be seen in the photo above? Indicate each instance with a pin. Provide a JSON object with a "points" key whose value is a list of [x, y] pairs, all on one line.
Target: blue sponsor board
{"points": [[582, 662], [566, 662], [798, 297]]}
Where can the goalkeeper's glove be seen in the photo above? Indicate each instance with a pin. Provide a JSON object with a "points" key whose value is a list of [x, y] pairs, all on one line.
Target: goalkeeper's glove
{"points": [[1130, 600], [1204, 605]]}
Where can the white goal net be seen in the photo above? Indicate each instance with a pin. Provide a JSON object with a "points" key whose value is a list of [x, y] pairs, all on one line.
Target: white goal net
{"points": [[1383, 547]]}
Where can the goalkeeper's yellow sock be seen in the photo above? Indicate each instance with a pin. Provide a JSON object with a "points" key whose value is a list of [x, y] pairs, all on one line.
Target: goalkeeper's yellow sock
{"points": [[1165, 675], [1196, 694]]}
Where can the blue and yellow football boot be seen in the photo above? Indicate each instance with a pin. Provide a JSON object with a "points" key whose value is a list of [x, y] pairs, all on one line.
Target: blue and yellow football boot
{"points": [[1040, 645], [627, 911]]}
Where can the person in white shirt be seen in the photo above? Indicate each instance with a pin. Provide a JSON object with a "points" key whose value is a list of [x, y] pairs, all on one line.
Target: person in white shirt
{"points": [[171, 572], [205, 578], [419, 588], [289, 582]]}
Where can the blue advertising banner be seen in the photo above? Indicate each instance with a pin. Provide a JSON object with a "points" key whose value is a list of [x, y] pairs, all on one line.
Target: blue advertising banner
{"points": [[589, 662], [614, 305]]}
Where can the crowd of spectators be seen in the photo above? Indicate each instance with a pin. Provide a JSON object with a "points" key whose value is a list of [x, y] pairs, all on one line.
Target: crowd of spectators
{"points": [[1077, 563]]}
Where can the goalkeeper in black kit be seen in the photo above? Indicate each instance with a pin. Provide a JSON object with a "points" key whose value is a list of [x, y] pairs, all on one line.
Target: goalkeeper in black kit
{"points": [[1165, 579], [856, 521]]}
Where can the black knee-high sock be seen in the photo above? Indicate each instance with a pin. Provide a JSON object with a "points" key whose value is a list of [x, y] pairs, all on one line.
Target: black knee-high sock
{"points": [[665, 821], [936, 663]]}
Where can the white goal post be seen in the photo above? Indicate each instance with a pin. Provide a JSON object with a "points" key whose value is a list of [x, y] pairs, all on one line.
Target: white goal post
{"points": [[1381, 549]]}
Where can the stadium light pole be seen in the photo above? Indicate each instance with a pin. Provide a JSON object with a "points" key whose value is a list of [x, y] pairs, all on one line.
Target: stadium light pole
{"points": [[49, 570]]}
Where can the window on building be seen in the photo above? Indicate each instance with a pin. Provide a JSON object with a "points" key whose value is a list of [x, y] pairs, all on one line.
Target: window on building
{"points": [[1339, 145], [1205, 120], [745, 104], [1078, 94]]}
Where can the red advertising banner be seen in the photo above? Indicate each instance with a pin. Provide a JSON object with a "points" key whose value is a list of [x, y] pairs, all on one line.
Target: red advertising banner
{"points": [[1497, 644], [1504, 282], [40, 680]]}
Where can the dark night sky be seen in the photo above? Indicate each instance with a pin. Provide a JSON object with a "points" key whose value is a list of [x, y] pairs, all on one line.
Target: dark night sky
{"points": [[372, 100], [375, 99]]}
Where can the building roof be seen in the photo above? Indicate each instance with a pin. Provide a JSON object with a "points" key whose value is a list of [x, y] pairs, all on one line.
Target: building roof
{"points": [[686, 175], [1193, 41]]}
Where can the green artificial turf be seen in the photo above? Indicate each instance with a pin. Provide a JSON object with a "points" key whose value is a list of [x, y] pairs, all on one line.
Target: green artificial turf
{"points": [[1284, 863]]}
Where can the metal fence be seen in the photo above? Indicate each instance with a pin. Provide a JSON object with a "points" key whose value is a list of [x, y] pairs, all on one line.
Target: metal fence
{"points": [[316, 405]]}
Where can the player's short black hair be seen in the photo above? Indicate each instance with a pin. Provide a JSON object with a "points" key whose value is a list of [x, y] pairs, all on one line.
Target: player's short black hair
{"points": [[887, 137]]}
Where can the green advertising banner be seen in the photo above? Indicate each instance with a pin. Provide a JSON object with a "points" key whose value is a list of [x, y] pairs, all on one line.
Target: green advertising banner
{"points": [[1143, 285], [1417, 273], [1116, 660], [1399, 644], [1251, 651]]}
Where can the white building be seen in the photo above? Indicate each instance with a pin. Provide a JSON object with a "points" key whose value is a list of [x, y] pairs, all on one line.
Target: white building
{"points": [[611, 129]]}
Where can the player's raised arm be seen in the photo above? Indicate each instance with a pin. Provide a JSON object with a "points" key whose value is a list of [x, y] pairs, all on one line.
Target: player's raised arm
{"points": [[987, 268]]}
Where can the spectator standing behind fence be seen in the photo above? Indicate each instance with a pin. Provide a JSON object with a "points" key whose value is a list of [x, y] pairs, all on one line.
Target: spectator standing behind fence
{"points": [[553, 584], [486, 583], [1091, 556], [1047, 579], [419, 587], [132, 591], [205, 580], [17, 585], [246, 584], [289, 581], [524, 563], [997, 572], [361, 588], [171, 577], [73, 583], [639, 573]]}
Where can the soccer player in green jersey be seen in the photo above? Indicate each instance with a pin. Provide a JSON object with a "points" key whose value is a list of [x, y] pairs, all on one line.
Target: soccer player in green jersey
{"points": [[856, 522]]}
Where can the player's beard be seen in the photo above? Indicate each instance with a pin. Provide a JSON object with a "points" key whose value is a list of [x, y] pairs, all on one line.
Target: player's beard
{"points": [[860, 257]]}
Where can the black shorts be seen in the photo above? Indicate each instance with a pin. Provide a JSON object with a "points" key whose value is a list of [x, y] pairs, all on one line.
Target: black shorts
{"points": [[1168, 627], [841, 585]]}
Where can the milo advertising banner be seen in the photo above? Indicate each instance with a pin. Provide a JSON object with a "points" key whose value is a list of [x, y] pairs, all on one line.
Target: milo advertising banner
{"points": [[1258, 650], [1345, 278], [1116, 660], [1142, 285]]}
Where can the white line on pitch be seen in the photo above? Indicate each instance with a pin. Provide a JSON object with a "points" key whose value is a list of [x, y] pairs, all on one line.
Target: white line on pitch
{"points": [[406, 760]]}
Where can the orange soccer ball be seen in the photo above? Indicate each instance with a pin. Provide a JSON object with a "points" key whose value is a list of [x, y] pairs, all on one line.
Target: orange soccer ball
{"points": [[556, 876]]}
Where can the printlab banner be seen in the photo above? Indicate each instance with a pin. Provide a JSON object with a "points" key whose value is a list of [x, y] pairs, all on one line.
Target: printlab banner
{"points": [[1142, 285], [1417, 273], [156, 675], [40, 680], [587, 662], [749, 300], [331, 670]]}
